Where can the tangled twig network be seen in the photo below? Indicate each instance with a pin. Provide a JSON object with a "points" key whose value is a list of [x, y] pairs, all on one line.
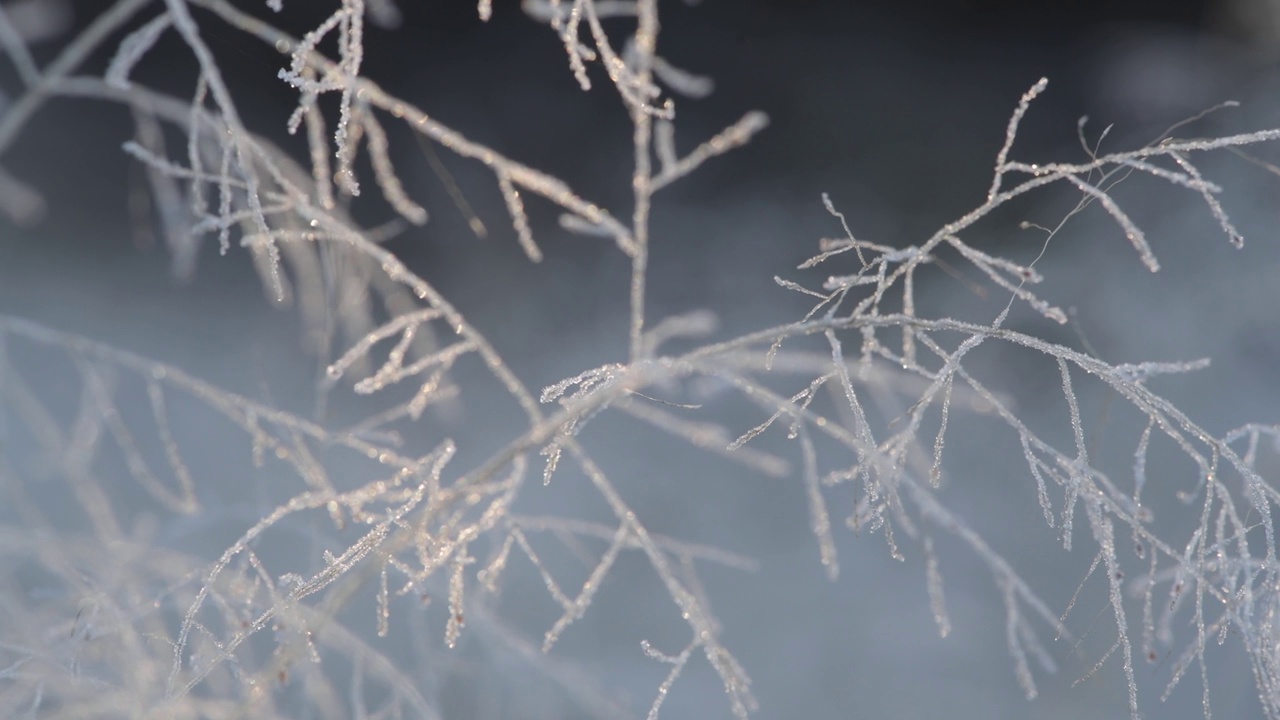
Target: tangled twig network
{"points": [[100, 617]]}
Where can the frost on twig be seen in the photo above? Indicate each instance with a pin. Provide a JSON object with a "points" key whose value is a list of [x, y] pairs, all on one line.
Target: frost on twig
{"points": [[855, 408], [899, 469]]}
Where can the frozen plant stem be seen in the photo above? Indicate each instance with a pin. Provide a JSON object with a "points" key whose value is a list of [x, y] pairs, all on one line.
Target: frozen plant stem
{"points": [[641, 179], [863, 425]]}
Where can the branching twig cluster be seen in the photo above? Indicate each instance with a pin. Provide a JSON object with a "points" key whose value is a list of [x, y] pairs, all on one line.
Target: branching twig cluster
{"points": [[863, 410]]}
